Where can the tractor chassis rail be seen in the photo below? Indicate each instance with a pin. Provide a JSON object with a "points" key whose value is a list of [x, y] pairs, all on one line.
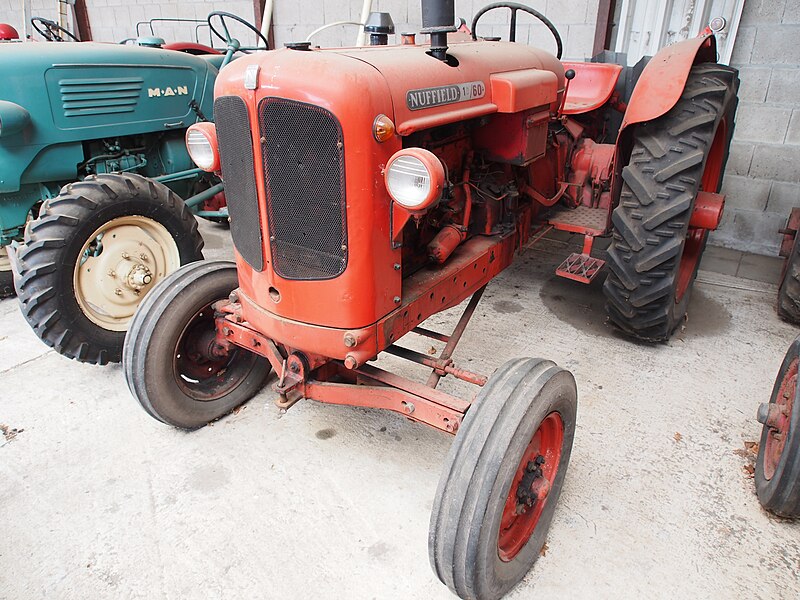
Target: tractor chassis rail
{"points": [[366, 386]]}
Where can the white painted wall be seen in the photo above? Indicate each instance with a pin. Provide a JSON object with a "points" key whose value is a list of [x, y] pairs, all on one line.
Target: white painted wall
{"points": [[645, 26]]}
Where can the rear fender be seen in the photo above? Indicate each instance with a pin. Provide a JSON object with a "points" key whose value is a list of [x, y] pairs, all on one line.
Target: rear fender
{"points": [[661, 83], [658, 89]]}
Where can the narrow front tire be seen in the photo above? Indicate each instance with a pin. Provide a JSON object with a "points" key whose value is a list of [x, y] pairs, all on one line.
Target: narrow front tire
{"points": [[171, 362], [502, 479]]}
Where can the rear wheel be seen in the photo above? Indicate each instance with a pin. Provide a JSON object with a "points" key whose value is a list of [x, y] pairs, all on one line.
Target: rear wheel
{"points": [[171, 360], [93, 253], [502, 479], [778, 464], [655, 254]]}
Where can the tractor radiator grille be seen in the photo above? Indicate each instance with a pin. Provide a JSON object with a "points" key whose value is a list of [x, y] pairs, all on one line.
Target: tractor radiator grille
{"points": [[238, 172], [303, 153]]}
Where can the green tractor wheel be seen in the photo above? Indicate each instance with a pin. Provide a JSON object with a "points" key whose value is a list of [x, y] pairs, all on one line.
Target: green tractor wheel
{"points": [[6, 275], [92, 255]]}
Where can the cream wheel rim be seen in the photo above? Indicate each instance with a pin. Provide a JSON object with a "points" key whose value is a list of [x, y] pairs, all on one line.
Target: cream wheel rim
{"points": [[5, 261], [119, 263]]}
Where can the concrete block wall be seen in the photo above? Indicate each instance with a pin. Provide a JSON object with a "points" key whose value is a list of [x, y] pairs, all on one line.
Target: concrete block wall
{"points": [[762, 180]]}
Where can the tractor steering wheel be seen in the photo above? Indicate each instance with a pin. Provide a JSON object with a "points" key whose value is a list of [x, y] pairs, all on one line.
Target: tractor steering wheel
{"points": [[512, 34], [221, 16], [51, 31]]}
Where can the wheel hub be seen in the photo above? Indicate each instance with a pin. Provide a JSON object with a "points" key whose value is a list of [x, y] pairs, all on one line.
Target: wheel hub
{"points": [[530, 487], [776, 417], [533, 487], [138, 276]]}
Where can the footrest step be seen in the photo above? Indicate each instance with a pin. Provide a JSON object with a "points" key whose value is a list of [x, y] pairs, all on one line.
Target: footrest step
{"points": [[580, 267]]}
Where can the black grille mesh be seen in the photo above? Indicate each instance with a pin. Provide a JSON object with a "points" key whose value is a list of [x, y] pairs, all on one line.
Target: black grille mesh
{"points": [[238, 172], [303, 153]]}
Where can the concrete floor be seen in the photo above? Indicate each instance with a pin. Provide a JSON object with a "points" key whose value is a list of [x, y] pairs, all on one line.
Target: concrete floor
{"points": [[98, 500]]}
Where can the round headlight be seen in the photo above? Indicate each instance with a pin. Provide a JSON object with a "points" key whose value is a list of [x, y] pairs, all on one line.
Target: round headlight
{"points": [[201, 142], [415, 179]]}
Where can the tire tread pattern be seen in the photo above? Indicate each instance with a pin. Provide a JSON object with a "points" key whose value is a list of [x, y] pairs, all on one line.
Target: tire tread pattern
{"points": [[473, 464], [41, 286], [789, 291], [651, 220]]}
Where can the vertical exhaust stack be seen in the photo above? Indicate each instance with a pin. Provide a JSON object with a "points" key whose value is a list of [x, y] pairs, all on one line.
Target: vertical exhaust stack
{"points": [[438, 19]]}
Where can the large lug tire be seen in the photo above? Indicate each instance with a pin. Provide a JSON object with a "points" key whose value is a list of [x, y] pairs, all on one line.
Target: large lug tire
{"points": [[789, 291], [168, 361], [502, 479], [93, 254], [654, 254], [6, 275], [777, 473]]}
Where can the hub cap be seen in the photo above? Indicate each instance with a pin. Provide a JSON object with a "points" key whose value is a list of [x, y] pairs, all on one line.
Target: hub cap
{"points": [[119, 263], [530, 487]]}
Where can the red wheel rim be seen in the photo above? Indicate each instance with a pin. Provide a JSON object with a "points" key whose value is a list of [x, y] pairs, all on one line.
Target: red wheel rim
{"points": [[695, 237], [202, 369], [779, 421], [532, 483]]}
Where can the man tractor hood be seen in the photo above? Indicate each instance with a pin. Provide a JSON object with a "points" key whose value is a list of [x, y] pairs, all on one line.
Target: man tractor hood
{"points": [[77, 92]]}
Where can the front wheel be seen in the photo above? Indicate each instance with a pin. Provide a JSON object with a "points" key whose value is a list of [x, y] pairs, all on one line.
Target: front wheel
{"points": [[172, 363], [778, 464], [502, 479], [93, 254]]}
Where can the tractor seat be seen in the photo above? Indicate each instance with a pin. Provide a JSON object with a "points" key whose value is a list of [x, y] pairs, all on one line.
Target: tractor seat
{"points": [[592, 86]]}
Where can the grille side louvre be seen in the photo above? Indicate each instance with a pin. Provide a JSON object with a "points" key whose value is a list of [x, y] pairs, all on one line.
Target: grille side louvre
{"points": [[81, 97], [303, 156], [238, 172]]}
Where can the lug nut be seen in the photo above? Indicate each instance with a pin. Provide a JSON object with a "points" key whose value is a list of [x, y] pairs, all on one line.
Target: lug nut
{"points": [[125, 255], [143, 256], [118, 292]]}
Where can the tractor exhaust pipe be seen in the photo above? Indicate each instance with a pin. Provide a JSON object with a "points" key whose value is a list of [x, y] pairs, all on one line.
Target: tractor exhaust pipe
{"points": [[438, 19]]}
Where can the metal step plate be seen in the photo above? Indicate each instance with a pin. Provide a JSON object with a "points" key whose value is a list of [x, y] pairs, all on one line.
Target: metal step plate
{"points": [[580, 267]]}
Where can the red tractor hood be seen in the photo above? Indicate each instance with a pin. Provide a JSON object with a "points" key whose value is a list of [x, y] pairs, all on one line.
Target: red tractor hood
{"points": [[489, 77]]}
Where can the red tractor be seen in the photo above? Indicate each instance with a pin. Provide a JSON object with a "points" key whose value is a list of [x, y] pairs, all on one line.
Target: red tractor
{"points": [[370, 188]]}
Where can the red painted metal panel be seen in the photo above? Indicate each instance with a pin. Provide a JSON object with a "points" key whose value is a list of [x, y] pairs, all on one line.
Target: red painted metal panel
{"points": [[520, 90], [663, 79]]}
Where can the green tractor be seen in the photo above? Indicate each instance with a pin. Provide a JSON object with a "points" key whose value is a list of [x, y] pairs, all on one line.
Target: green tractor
{"points": [[98, 195]]}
